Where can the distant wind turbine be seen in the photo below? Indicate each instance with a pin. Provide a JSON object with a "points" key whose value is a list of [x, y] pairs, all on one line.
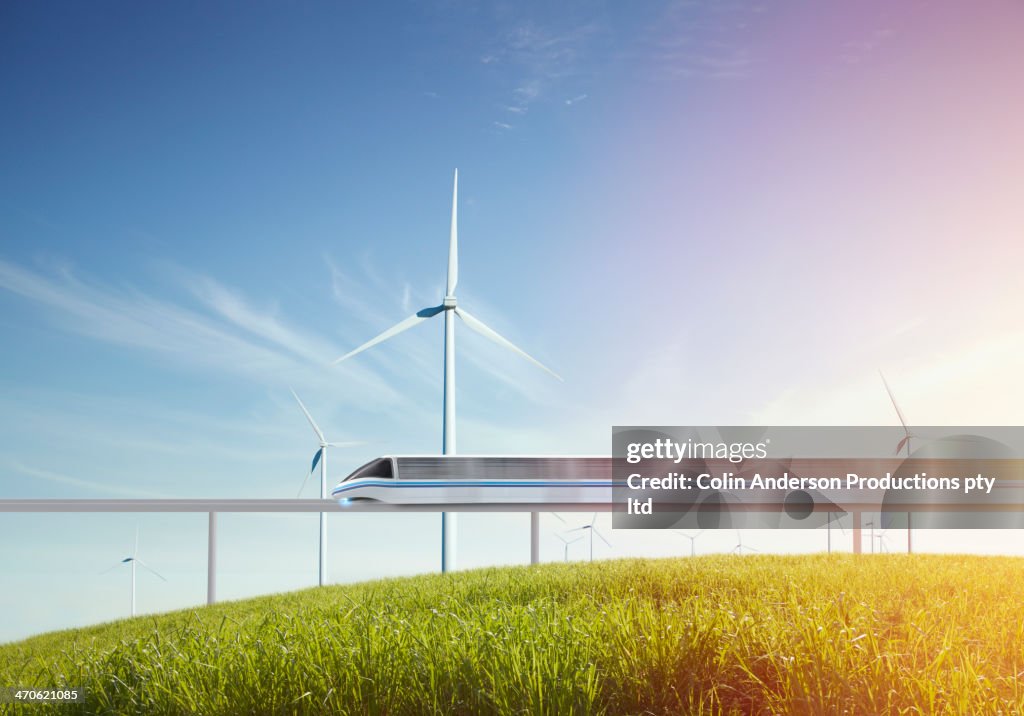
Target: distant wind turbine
{"points": [[692, 538], [904, 443], [320, 456], [134, 560], [566, 543], [871, 524], [449, 306], [593, 531], [828, 528], [738, 549]]}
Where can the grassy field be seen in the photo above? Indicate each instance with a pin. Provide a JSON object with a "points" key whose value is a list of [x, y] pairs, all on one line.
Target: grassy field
{"points": [[718, 634]]}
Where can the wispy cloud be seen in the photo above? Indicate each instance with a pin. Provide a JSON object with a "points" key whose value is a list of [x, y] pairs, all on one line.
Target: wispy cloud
{"points": [[229, 335], [575, 100], [60, 479], [732, 64], [262, 324], [503, 126], [527, 92], [693, 40], [406, 297], [534, 59], [857, 51], [348, 293]]}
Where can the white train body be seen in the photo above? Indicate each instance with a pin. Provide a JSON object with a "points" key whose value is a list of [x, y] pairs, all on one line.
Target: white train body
{"points": [[468, 479]]}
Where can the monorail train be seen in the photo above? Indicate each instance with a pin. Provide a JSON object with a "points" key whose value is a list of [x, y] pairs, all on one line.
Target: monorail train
{"points": [[468, 479]]}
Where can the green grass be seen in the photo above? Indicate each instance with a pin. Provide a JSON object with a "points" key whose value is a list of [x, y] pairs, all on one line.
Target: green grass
{"points": [[719, 634]]}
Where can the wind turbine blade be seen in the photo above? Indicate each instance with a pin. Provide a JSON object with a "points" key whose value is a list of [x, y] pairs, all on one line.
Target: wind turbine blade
{"points": [[559, 518], [601, 537], [687, 535], [312, 423], [405, 325], [453, 245], [899, 412], [304, 481], [111, 569], [593, 519], [146, 566], [316, 460], [579, 529], [901, 444], [573, 541], [477, 325], [348, 444]]}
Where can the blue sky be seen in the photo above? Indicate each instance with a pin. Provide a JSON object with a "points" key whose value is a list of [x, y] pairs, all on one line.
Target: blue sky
{"points": [[696, 213]]}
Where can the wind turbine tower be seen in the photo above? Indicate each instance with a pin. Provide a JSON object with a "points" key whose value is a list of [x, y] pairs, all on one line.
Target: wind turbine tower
{"points": [[449, 306], [903, 444]]}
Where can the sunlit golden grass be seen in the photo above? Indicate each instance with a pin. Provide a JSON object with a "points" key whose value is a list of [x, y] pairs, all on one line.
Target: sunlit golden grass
{"points": [[718, 634]]}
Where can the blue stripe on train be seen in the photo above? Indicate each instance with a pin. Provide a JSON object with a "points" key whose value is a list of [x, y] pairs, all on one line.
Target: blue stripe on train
{"points": [[472, 483]]}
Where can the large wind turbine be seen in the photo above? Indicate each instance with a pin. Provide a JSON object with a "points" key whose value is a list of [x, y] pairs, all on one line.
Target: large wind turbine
{"points": [[320, 457], [904, 443], [450, 308], [134, 560]]}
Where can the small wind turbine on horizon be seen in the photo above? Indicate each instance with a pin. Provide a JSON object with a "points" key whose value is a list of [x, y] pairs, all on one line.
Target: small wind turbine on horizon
{"points": [[828, 528], [593, 530], [904, 443], [320, 457], [738, 549], [566, 543], [692, 538], [134, 560], [449, 306]]}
